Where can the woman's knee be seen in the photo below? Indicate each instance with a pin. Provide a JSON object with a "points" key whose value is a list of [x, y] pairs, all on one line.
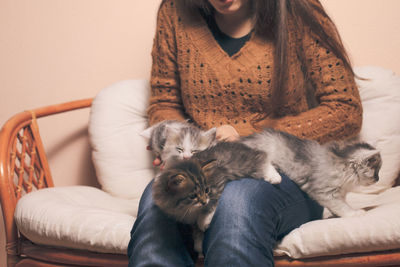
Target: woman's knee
{"points": [[245, 196], [146, 200], [241, 225]]}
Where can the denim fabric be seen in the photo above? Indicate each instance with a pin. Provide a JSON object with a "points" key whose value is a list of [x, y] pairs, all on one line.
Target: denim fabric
{"points": [[251, 216]]}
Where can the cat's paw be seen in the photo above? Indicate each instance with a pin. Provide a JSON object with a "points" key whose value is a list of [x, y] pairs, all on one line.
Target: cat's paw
{"points": [[354, 213], [327, 214], [276, 179], [203, 222], [272, 176], [198, 242]]}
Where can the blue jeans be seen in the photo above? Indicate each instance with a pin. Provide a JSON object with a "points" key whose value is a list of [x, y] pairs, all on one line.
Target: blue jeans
{"points": [[252, 215]]}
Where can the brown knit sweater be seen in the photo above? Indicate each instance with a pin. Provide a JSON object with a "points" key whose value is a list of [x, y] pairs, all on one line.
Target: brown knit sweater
{"points": [[193, 78]]}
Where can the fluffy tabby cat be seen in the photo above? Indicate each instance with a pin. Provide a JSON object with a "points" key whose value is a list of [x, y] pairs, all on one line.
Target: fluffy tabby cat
{"points": [[189, 190], [325, 172], [172, 140]]}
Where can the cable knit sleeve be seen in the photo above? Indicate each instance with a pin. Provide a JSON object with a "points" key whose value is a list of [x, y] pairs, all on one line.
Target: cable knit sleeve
{"points": [[338, 114], [165, 97]]}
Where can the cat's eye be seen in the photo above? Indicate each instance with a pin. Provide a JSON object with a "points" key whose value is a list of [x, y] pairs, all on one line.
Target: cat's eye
{"points": [[207, 190], [192, 196], [194, 151], [179, 149]]}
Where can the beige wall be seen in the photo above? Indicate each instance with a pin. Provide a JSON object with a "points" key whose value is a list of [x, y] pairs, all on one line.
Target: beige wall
{"points": [[54, 51], [370, 30]]}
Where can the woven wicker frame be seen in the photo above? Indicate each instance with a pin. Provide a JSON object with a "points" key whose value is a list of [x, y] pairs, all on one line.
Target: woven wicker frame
{"points": [[24, 168]]}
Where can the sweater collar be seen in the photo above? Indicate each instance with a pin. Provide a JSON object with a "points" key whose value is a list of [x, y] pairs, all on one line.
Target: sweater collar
{"points": [[197, 28]]}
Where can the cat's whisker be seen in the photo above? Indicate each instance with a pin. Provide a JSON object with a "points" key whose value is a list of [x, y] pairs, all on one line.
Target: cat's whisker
{"points": [[186, 212]]}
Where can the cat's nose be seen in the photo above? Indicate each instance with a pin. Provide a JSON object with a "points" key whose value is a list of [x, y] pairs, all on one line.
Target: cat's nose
{"points": [[203, 200]]}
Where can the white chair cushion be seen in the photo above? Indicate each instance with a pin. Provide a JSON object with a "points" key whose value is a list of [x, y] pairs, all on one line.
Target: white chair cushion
{"points": [[89, 218], [79, 217], [118, 116], [380, 97], [378, 230]]}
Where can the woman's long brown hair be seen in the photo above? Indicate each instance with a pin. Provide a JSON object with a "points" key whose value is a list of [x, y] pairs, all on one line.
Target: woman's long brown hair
{"points": [[273, 18]]}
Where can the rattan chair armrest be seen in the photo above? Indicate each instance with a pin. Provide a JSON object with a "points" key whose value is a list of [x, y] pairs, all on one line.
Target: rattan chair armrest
{"points": [[23, 162]]}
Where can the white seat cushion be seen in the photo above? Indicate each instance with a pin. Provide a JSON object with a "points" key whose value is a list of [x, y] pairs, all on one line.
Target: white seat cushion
{"points": [[90, 218], [79, 217], [378, 230]]}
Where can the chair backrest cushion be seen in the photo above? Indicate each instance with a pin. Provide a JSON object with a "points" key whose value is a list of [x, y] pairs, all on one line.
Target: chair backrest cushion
{"points": [[123, 165], [118, 116], [380, 95]]}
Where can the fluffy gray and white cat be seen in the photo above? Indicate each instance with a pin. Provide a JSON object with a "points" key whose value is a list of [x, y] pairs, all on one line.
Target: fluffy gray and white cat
{"points": [[325, 172], [172, 140]]}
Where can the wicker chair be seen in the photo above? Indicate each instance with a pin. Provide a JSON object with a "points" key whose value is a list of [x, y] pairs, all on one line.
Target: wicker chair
{"points": [[24, 168]]}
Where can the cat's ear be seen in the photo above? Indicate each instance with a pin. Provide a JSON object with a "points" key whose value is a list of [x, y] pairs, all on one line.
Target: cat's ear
{"points": [[372, 159], [209, 165], [171, 130], [147, 132], [211, 133], [174, 182]]}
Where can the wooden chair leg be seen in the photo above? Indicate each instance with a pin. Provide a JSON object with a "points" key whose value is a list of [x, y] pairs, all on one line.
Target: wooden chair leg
{"points": [[12, 260], [36, 263]]}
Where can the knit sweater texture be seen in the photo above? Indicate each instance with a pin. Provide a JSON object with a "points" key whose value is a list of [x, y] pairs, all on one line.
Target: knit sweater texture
{"points": [[194, 78]]}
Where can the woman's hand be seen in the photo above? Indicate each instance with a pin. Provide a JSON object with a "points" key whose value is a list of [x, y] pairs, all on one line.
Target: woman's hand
{"points": [[227, 133]]}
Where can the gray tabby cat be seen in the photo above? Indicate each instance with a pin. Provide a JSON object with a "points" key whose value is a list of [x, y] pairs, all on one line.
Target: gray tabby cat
{"points": [[172, 140], [325, 172], [189, 190]]}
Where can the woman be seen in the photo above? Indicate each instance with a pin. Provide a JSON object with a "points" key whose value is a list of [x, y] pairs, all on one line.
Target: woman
{"points": [[241, 65]]}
